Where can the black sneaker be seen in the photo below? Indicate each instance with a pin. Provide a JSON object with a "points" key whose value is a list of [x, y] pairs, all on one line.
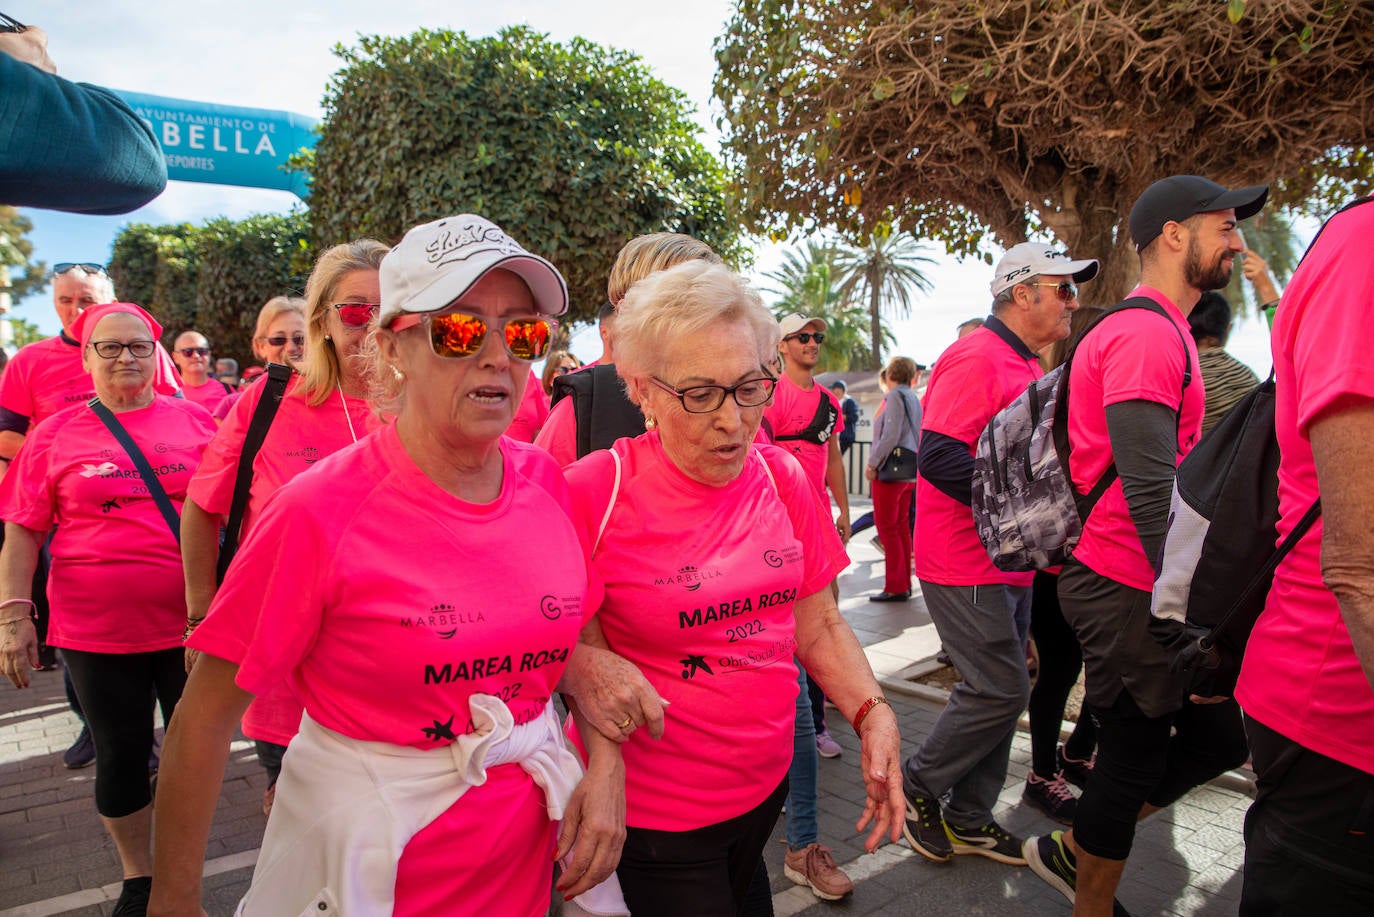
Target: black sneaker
{"points": [[990, 840], [1053, 797], [1049, 859], [82, 752], [133, 898], [1074, 771], [925, 829]]}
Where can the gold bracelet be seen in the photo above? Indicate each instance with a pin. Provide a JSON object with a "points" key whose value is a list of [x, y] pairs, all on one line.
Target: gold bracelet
{"points": [[29, 618], [866, 708]]}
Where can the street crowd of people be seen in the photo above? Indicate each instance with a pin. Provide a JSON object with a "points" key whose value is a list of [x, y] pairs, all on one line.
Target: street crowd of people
{"points": [[499, 635]]}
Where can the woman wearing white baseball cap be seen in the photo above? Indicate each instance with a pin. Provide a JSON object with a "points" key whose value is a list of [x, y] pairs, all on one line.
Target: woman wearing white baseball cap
{"points": [[430, 599]]}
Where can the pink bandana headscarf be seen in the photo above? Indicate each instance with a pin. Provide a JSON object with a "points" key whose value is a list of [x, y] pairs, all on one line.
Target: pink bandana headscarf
{"points": [[165, 380]]}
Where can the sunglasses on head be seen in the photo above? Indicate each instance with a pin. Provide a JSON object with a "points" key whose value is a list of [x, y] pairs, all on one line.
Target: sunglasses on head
{"points": [[1063, 289], [87, 267], [189, 352], [456, 335], [281, 340], [356, 314], [806, 336]]}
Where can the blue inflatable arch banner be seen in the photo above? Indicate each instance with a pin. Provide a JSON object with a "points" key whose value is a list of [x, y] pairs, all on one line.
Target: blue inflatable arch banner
{"points": [[226, 144]]}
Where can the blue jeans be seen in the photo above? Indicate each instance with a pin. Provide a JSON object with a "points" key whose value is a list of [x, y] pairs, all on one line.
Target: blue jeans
{"points": [[804, 775]]}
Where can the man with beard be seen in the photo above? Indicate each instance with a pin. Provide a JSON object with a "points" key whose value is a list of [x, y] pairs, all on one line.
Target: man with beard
{"points": [[1136, 401]]}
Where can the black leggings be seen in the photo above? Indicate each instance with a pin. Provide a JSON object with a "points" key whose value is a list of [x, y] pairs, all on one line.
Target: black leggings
{"points": [[1138, 761], [1061, 659], [706, 872], [116, 691]]}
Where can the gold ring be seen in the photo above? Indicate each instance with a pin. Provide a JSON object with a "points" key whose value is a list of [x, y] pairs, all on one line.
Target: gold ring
{"points": [[628, 721]]}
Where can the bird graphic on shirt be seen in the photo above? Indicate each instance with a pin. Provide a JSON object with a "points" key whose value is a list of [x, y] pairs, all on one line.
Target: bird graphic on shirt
{"points": [[440, 731], [691, 664]]}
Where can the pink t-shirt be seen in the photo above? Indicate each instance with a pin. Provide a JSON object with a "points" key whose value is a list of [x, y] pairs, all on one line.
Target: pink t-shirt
{"points": [[1131, 356], [43, 378], [792, 410], [975, 377], [299, 437], [558, 436], [531, 413], [116, 583], [208, 395], [386, 603], [696, 585], [1301, 676]]}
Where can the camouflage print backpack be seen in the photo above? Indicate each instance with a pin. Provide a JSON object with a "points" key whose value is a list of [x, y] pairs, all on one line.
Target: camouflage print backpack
{"points": [[1025, 508]]}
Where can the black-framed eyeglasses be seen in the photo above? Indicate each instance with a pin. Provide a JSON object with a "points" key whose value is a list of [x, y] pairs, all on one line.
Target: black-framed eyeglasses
{"points": [[703, 399], [1065, 290], [88, 267], [356, 314], [806, 336], [281, 340], [189, 352], [110, 350], [10, 24]]}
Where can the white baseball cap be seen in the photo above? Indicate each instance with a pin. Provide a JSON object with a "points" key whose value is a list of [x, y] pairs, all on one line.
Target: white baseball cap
{"points": [[440, 261], [793, 323], [1028, 259]]}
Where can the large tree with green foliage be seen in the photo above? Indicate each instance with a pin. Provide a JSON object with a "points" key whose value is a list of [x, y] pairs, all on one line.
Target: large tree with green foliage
{"points": [[213, 278], [572, 148], [986, 122], [16, 252]]}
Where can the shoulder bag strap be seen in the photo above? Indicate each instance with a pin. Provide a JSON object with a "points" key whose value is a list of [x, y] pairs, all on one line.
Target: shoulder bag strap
{"points": [[275, 387], [145, 471]]}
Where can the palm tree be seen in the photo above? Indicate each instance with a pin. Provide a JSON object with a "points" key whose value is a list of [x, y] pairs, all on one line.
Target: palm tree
{"points": [[1270, 235], [887, 272], [806, 283]]}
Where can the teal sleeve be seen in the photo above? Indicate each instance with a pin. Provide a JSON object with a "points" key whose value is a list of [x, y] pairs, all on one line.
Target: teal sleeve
{"points": [[72, 146]]}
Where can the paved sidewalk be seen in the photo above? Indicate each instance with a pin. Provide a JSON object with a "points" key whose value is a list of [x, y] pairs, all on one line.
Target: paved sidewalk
{"points": [[55, 857]]}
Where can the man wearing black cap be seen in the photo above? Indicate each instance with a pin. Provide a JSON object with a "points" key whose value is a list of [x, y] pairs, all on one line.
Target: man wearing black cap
{"points": [[1136, 402]]}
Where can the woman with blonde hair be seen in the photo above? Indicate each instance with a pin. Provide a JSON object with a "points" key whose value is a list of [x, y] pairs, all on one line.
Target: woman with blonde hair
{"points": [[559, 363], [323, 409]]}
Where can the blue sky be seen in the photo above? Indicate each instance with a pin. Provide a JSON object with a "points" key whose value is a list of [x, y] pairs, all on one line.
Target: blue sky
{"points": [[278, 56]]}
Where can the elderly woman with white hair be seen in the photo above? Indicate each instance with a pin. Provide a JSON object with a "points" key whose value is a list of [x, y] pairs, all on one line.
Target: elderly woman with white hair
{"points": [[420, 591], [710, 565]]}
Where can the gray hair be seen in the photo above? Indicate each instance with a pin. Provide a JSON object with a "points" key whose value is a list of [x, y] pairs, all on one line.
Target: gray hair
{"points": [[680, 302], [1007, 296]]}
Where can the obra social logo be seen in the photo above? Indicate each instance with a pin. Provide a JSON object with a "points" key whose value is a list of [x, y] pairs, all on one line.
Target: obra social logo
{"points": [[550, 607], [772, 558]]}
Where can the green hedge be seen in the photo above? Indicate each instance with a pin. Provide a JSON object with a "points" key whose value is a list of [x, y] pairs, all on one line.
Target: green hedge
{"points": [[571, 148], [215, 277]]}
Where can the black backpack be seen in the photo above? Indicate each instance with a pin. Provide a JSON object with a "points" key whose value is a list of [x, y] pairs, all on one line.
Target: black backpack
{"points": [[603, 412]]}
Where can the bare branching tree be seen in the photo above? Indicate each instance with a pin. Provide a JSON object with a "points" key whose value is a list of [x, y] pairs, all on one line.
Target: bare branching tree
{"points": [[980, 122]]}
